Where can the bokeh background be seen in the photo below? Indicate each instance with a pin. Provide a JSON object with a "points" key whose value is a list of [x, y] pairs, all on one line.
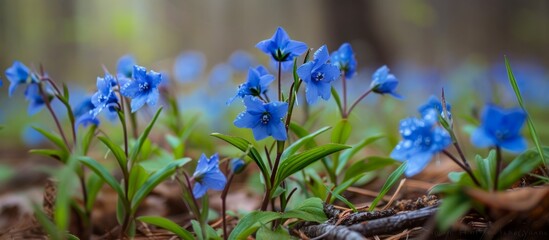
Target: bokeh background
{"points": [[428, 45]]}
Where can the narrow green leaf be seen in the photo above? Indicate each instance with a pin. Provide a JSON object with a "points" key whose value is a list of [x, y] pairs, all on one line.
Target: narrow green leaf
{"points": [[246, 147], [299, 161], [452, 208], [367, 164], [393, 178], [197, 230], [54, 138], [446, 188], [93, 185], [265, 232], [531, 127], [310, 209], [138, 176], [47, 224], [87, 139], [251, 222], [341, 131], [349, 153], [301, 132], [486, 170], [102, 173], [520, 166], [168, 225], [137, 147], [116, 151], [290, 150], [337, 99], [65, 188], [341, 198], [154, 180], [345, 184], [55, 154]]}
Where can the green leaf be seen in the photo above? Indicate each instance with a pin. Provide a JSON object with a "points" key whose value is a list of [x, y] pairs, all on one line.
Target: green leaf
{"points": [[93, 185], [367, 164], [341, 131], [55, 154], [102, 173], [301, 132], [251, 222], [290, 150], [309, 210], [344, 185], [246, 147], [349, 153], [452, 208], [299, 161], [86, 139], [65, 188], [265, 232], [50, 228], [336, 98], [531, 127], [54, 138], [116, 151], [341, 198], [520, 166], [168, 225], [138, 176], [446, 188], [197, 229], [486, 170], [393, 178], [154, 180], [137, 147]]}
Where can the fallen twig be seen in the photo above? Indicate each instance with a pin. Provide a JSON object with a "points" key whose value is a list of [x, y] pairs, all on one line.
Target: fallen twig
{"points": [[396, 223]]}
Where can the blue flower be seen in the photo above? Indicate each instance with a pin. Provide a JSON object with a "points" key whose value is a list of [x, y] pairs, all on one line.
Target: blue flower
{"points": [[17, 74], [143, 89], [83, 107], [86, 120], [344, 59], [318, 74], [237, 165], [36, 101], [265, 119], [189, 66], [384, 83], [241, 60], [257, 83], [124, 66], [433, 103], [422, 138], [500, 127], [220, 74], [208, 176], [281, 48], [105, 96]]}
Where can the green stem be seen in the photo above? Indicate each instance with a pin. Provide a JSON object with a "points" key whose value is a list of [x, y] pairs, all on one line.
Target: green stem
{"points": [[344, 82], [499, 159], [224, 205], [468, 170]]}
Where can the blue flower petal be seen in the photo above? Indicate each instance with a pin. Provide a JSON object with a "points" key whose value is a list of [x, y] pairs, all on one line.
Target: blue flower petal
{"points": [[517, 144], [138, 102], [481, 139], [417, 163]]}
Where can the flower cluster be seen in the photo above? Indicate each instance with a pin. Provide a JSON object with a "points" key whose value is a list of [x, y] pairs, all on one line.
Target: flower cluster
{"points": [[208, 176], [421, 140]]}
